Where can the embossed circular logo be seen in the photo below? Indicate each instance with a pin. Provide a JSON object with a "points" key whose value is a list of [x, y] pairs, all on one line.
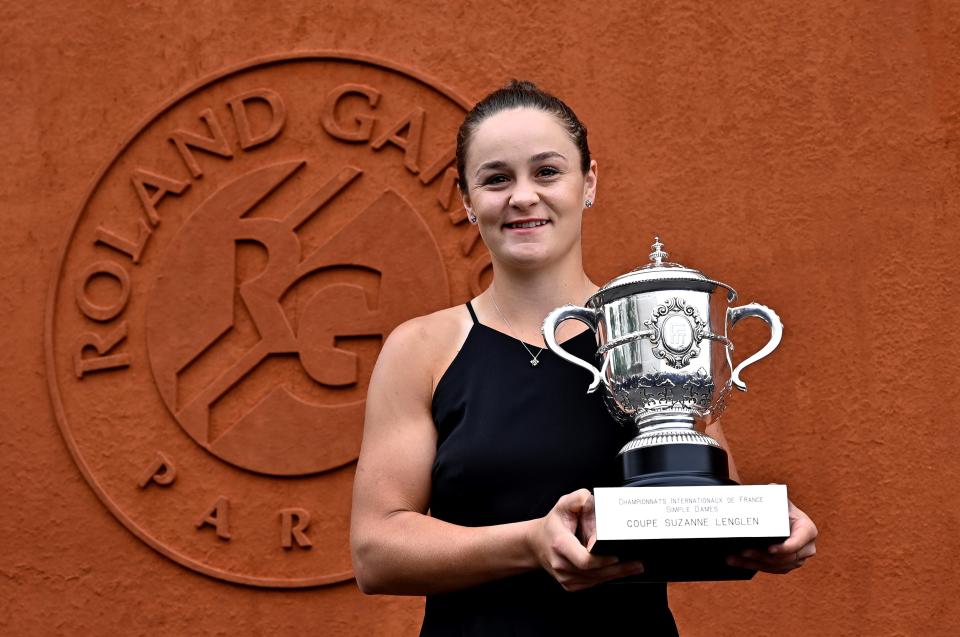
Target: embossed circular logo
{"points": [[677, 334], [224, 292]]}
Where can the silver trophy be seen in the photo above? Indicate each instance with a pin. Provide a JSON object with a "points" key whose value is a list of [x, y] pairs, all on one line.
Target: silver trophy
{"points": [[664, 353]]}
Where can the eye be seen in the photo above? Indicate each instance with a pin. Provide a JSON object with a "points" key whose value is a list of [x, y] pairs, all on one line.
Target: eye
{"points": [[547, 171], [494, 180]]}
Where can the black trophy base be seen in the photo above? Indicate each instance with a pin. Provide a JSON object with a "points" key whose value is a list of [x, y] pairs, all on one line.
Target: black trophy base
{"points": [[689, 559], [678, 465], [686, 560]]}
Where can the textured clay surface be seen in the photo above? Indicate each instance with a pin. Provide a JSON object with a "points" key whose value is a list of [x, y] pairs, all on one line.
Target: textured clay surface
{"points": [[213, 214]]}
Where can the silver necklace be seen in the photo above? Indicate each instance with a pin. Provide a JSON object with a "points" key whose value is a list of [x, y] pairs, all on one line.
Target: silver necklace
{"points": [[534, 360]]}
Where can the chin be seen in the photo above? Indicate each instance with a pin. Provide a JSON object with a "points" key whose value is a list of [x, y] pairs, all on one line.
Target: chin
{"points": [[527, 259]]}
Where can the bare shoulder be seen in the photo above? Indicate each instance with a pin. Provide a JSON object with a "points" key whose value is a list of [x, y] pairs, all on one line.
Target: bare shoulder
{"points": [[424, 346]]}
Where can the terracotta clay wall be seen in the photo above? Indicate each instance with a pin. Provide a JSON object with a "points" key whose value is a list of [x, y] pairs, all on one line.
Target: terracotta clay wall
{"points": [[181, 411]]}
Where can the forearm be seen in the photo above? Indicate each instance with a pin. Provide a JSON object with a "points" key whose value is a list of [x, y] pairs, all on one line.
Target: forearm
{"points": [[408, 553], [715, 431], [732, 468]]}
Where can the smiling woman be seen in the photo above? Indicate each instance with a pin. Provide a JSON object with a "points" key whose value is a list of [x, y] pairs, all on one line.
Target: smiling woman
{"points": [[526, 188], [478, 443]]}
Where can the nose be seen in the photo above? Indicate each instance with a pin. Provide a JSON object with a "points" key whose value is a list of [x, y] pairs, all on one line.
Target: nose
{"points": [[524, 194]]}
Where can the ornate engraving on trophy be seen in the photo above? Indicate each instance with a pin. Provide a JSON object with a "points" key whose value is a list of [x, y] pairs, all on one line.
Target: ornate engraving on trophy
{"points": [[236, 267], [659, 390], [677, 332]]}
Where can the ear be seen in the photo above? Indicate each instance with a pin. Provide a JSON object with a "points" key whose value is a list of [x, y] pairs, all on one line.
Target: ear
{"points": [[465, 198], [590, 182]]}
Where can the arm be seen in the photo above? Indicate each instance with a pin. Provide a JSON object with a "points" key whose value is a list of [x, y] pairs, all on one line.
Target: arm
{"points": [[779, 558], [396, 547], [715, 431]]}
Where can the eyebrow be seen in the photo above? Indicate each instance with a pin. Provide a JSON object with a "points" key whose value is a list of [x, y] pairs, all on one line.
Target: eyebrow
{"points": [[497, 164], [550, 154]]}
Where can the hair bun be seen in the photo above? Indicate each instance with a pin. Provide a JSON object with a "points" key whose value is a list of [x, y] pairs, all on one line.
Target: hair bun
{"points": [[521, 85]]}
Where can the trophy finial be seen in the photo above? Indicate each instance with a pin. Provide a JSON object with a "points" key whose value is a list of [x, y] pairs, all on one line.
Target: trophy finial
{"points": [[658, 255]]}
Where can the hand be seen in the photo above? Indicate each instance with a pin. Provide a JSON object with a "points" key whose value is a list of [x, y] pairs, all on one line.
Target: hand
{"points": [[783, 558], [555, 544]]}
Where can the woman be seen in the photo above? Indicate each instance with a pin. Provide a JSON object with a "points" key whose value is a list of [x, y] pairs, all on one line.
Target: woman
{"points": [[478, 443]]}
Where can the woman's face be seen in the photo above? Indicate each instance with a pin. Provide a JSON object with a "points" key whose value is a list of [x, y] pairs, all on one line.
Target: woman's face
{"points": [[526, 188]]}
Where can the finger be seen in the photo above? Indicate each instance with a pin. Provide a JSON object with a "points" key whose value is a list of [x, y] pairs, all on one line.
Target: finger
{"points": [[805, 552], [791, 547], [571, 506], [576, 500], [773, 561], [803, 532], [780, 562], [590, 541], [601, 575], [567, 547], [587, 531], [568, 574], [615, 571]]}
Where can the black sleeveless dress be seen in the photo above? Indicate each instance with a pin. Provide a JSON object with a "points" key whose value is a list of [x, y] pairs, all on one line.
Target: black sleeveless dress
{"points": [[512, 439]]}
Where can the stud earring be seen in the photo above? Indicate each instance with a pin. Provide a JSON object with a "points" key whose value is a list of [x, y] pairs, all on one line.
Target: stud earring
{"points": [[472, 217], [588, 203]]}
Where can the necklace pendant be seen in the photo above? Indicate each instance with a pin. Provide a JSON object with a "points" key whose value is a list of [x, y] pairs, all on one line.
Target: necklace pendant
{"points": [[534, 362]]}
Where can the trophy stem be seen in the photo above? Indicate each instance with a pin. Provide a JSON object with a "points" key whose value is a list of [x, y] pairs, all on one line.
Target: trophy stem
{"points": [[664, 420]]}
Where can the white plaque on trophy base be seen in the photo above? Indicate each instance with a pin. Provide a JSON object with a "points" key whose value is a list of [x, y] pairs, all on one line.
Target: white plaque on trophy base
{"points": [[686, 533]]}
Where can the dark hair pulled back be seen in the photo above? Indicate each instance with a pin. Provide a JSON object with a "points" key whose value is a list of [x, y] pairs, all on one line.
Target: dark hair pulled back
{"points": [[520, 94]]}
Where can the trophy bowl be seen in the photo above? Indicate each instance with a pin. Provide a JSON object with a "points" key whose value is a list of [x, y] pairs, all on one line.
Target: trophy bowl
{"points": [[665, 366]]}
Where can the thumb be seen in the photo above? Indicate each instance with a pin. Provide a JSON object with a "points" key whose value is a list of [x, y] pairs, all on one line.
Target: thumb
{"points": [[587, 531], [573, 506], [576, 501]]}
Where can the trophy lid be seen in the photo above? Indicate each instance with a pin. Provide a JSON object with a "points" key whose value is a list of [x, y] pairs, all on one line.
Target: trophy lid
{"points": [[658, 275]]}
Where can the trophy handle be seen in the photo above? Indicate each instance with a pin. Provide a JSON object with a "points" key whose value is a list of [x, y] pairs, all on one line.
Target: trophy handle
{"points": [[734, 314], [549, 328]]}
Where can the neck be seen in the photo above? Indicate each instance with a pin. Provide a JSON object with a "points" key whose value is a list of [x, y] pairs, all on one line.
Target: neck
{"points": [[526, 296]]}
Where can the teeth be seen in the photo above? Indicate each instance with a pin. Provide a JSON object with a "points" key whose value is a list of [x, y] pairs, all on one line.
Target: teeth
{"points": [[527, 224]]}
